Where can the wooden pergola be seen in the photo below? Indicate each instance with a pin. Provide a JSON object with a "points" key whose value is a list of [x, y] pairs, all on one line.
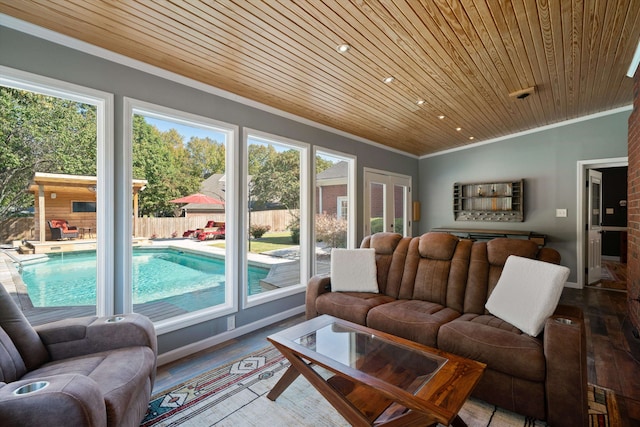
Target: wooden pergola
{"points": [[56, 195]]}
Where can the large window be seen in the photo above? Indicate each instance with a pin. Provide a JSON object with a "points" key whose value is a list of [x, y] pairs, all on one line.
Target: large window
{"points": [[56, 153], [334, 195], [276, 226], [182, 198]]}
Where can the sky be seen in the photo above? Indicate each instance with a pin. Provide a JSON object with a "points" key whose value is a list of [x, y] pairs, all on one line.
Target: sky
{"points": [[186, 131]]}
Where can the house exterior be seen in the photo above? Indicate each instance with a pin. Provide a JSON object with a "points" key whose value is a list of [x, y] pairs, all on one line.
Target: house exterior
{"points": [[214, 186]]}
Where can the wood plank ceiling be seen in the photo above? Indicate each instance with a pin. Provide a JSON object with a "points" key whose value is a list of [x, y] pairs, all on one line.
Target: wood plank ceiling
{"points": [[462, 58]]}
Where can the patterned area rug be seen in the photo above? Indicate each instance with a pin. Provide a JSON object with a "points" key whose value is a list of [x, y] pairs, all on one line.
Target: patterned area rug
{"points": [[236, 395]]}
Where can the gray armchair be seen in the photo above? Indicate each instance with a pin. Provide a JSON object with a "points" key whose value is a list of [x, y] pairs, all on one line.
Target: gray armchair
{"points": [[91, 371]]}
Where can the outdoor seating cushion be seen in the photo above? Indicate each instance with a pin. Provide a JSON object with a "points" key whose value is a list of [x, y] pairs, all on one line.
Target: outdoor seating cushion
{"points": [[354, 270], [527, 293]]}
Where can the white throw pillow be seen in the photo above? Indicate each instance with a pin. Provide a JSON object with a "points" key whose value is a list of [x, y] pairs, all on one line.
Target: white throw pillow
{"points": [[527, 293], [354, 270]]}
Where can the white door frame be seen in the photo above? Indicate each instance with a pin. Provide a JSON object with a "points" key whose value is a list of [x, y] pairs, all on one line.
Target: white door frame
{"points": [[594, 233], [392, 176], [581, 207]]}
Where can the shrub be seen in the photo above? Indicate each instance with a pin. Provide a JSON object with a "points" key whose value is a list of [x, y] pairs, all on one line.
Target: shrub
{"points": [[331, 230], [257, 230], [294, 227]]}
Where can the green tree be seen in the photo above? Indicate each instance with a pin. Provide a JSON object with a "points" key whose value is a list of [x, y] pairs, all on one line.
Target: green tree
{"points": [[206, 156], [322, 164], [41, 133], [276, 177], [159, 158]]}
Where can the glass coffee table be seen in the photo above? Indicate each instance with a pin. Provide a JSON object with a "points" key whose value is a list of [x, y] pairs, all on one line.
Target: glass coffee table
{"points": [[378, 378]]}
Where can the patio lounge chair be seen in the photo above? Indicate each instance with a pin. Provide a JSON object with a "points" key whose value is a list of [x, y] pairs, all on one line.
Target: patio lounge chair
{"points": [[217, 230], [60, 229], [194, 233]]}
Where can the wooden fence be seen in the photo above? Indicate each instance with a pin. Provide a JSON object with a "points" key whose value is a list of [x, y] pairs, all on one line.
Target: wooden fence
{"points": [[23, 228], [16, 229], [174, 227]]}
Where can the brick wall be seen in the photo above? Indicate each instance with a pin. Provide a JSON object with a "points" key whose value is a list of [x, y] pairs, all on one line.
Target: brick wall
{"points": [[633, 207]]}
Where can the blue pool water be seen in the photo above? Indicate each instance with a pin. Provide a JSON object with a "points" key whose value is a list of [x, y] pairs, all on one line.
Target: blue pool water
{"points": [[70, 279]]}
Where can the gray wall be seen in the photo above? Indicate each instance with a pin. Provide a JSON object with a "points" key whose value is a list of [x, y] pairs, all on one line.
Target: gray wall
{"points": [[28, 53], [547, 160]]}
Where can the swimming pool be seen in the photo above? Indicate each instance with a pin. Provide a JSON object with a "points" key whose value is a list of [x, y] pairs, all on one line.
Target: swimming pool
{"points": [[191, 281]]}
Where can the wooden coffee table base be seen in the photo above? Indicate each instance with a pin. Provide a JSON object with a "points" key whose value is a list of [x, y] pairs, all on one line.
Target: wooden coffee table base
{"points": [[360, 405]]}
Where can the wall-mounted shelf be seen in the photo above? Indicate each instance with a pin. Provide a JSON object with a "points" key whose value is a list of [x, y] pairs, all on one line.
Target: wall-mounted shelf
{"points": [[489, 201]]}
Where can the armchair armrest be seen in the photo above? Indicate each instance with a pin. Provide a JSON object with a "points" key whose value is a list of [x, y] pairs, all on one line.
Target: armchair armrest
{"points": [[565, 349], [87, 335], [68, 399], [317, 285]]}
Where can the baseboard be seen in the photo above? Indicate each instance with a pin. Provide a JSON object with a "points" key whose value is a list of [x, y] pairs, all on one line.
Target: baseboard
{"points": [[195, 347]]}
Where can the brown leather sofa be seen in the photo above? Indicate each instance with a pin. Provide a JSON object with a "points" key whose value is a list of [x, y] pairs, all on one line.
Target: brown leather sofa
{"points": [[433, 290], [90, 371]]}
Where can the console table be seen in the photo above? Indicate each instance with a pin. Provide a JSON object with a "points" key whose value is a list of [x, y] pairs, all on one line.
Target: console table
{"points": [[482, 234]]}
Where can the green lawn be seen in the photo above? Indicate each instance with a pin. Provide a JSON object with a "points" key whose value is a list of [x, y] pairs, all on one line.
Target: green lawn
{"points": [[268, 242]]}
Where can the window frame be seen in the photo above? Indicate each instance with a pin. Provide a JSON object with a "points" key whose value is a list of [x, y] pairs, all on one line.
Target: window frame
{"points": [[104, 102], [351, 197], [230, 306], [305, 262]]}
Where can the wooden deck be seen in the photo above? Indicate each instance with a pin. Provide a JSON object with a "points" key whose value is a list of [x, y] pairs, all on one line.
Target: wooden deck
{"points": [[288, 274], [73, 245]]}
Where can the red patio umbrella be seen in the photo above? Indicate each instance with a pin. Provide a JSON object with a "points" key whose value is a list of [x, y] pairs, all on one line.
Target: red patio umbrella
{"points": [[202, 199]]}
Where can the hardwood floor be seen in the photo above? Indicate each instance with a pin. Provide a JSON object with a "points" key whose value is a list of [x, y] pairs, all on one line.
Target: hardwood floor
{"points": [[609, 360]]}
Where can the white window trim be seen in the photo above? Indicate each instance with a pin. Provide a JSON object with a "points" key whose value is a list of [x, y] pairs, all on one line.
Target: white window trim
{"points": [[103, 102], [305, 224], [133, 106], [339, 208], [351, 190]]}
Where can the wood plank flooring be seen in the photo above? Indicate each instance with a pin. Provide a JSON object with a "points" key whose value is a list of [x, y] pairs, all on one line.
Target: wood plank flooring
{"points": [[610, 363]]}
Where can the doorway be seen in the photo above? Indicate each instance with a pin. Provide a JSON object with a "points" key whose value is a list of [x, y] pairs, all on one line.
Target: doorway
{"points": [[601, 223], [386, 202]]}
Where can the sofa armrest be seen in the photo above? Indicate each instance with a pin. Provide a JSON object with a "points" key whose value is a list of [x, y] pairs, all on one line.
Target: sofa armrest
{"points": [[86, 335], [318, 285], [67, 400], [565, 349]]}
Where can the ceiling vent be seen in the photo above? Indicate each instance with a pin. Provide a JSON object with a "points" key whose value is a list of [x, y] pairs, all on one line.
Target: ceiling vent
{"points": [[523, 93]]}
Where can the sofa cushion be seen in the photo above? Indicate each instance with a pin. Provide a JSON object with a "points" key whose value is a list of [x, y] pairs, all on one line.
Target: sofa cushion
{"points": [[351, 306], [527, 293], [384, 243], [498, 250], [19, 333], [122, 376], [438, 246], [502, 346], [354, 270], [415, 320]]}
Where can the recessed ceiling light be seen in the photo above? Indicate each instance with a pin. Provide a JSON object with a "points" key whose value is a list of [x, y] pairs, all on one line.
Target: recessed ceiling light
{"points": [[389, 79], [420, 101], [441, 117], [343, 48], [458, 129], [471, 138]]}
